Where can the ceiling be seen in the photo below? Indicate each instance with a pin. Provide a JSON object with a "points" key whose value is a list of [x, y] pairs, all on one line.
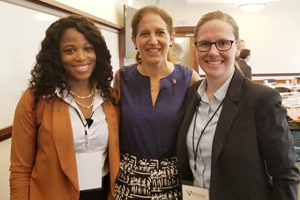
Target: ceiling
{"points": [[209, 2]]}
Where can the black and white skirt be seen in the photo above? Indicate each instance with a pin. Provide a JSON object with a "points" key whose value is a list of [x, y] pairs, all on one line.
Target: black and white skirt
{"points": [[147, 179]]}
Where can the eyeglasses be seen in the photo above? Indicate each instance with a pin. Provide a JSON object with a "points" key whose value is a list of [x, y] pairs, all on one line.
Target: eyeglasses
{"points": [[221, 45]]}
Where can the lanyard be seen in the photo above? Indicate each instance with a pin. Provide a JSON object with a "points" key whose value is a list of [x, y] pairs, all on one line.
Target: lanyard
{"points": [[86, 126], [195, 151]]}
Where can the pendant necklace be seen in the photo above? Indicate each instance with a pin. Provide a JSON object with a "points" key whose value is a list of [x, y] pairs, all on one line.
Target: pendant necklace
{"points": [[152, 86]]}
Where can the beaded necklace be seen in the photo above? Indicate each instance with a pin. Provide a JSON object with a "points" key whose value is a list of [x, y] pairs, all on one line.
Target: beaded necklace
{"points": [[82, 97]]}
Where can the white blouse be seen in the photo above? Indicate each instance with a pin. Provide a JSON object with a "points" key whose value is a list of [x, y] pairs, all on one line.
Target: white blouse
{"points": [[97, 133]]}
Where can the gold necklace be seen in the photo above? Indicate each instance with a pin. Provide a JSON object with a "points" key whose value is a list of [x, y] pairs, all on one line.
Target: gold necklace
{"points": [[83, 106], [82, 97], [152, 85]]}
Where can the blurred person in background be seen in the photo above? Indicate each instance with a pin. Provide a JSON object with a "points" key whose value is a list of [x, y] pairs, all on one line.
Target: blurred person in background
{"points": [[175, 53], [243, 63]]}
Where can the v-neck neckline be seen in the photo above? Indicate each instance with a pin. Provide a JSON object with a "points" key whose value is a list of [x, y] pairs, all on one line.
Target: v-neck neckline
{"points": [[149, 94]]}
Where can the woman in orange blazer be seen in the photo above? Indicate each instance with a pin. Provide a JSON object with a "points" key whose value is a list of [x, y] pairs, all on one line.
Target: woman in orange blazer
{"points": [[66, 123]]}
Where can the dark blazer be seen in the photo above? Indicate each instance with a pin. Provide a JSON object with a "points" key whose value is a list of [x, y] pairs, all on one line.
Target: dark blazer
{"points": [[252, 156], [246, 69]]}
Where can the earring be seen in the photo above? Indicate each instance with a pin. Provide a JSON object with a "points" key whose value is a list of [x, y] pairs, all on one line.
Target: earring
{"points": [[170, 45], [136, 48]]}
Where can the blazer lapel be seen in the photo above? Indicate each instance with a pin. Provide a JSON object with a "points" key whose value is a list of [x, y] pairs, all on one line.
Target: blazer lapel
{"points": [[64, 142], [112, 117], [190, 113], [183, 164], [228, 114], [191, 104]]}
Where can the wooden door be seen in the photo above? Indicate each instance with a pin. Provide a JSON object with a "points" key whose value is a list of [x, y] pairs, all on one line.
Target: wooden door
{"points": [[188, 31]]}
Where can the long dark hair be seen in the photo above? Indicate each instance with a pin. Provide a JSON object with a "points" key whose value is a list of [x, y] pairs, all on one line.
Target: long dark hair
{"points": [[48, 73]]}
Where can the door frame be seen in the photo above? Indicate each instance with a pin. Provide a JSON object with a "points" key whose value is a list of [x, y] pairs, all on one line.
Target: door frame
{"points": [[188, 31]]}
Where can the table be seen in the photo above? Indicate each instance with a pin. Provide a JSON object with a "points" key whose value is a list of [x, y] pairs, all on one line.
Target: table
{"points": [[294, 114], [291, 101]]}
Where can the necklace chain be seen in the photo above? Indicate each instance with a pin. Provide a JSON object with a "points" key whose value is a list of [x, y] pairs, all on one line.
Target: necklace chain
{"points": [[82, 97], [153, 84], [86, 107]]}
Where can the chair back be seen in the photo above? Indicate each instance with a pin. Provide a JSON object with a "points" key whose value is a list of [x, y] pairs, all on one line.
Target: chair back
{"points": [[282, 89], [272, 81]]}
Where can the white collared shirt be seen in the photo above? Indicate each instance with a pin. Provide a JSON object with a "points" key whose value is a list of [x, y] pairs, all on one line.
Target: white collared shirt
{"points": [[97, 132], [204, 152]]}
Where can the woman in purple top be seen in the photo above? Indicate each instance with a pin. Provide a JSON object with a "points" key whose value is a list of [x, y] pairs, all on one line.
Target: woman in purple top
{"points": [[151, 95]]}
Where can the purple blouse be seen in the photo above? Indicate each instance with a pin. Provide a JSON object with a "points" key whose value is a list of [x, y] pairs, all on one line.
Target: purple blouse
{"points": [[149, 131]]}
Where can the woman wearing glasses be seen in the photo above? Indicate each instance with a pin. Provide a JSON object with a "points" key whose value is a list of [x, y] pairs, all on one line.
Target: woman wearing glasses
{"points": [[234, 142]]}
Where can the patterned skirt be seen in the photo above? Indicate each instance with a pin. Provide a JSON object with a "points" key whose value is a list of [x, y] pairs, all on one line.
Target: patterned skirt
{"points": [[147, 179]]}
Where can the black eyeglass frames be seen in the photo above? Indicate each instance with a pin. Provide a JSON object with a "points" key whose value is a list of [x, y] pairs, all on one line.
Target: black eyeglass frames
{"points": [[221, 45]]}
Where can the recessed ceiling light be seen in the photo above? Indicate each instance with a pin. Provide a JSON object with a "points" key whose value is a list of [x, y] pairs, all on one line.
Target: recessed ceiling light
{"points": [[254, 7]]}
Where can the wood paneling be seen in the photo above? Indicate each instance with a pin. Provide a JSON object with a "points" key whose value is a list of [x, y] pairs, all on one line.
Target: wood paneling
{"points": [[188, 31], [5, 133]]}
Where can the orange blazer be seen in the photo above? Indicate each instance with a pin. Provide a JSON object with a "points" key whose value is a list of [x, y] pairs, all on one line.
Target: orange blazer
{"points": [[43, 162]]}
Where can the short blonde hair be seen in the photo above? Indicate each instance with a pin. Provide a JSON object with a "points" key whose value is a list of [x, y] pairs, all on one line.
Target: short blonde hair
{"points": [[219, 15]]}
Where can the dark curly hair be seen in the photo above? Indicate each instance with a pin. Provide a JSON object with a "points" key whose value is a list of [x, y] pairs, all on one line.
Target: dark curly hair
{"points": [[48, 73]]}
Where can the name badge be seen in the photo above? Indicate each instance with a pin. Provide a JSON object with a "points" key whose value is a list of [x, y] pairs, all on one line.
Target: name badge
{"points": [[194, 193], [89, 169]]}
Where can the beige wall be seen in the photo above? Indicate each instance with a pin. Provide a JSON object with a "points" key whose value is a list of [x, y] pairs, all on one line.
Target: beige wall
{"points": [[4, 166], [271, 34], [111, 10]]}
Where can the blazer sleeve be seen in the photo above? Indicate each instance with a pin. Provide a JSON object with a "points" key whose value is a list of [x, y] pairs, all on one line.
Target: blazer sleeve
{"points": [[23, 147], [276, 146]]}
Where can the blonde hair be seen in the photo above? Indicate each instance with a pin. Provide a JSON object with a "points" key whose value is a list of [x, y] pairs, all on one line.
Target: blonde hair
{"points": [[217, 15]]}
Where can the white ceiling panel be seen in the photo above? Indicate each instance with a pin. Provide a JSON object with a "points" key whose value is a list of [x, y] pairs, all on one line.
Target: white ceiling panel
{"points": [[211, 2]]}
